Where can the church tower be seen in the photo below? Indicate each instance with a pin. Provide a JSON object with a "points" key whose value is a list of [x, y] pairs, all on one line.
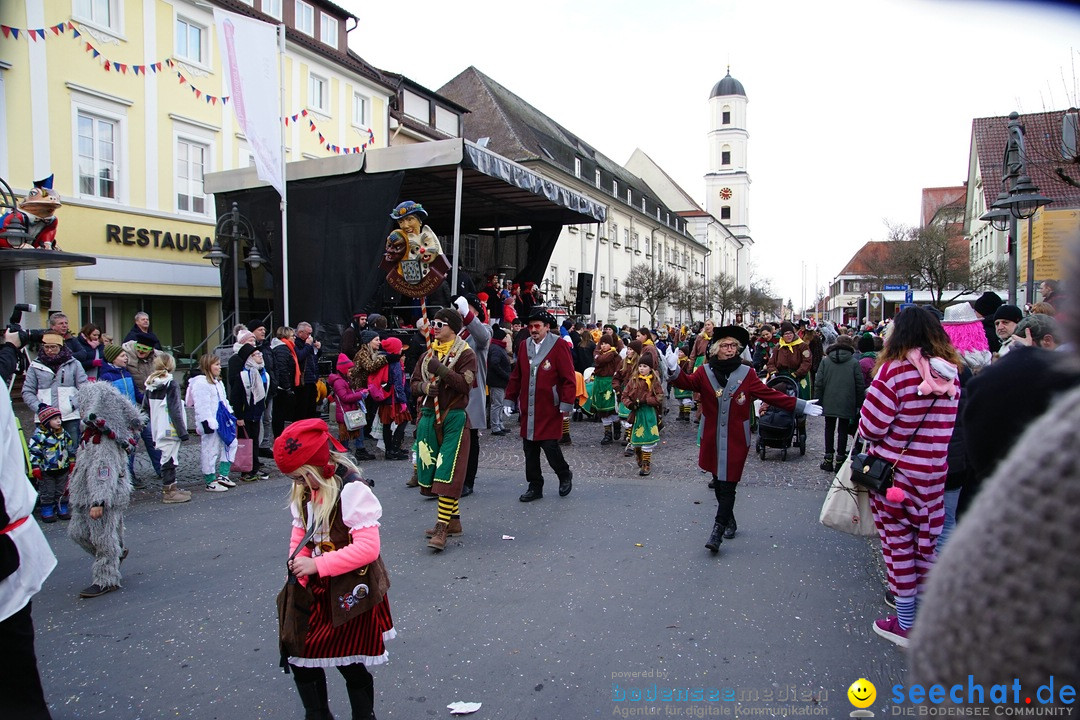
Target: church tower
{"points": [[727, 184]]}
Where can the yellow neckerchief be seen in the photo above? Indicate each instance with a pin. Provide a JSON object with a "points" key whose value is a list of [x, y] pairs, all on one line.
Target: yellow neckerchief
{"points": [[647, 342], [798, 341], [441, 348], [647, 379]]}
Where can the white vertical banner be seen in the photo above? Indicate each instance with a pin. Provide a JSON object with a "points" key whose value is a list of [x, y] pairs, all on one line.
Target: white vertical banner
{"points": [[249, 54]]}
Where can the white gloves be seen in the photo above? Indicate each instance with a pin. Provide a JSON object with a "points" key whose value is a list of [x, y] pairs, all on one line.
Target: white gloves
{"points": [[622, 353], [462, 306], [671, 360], [812, 408]]}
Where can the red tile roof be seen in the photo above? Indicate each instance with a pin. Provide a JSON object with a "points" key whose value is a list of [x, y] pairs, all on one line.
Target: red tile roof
{"points": [[1042, 139], [865, 257], [934, 199]]}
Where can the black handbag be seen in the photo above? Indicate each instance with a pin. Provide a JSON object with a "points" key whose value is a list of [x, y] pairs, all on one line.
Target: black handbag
{"points": [[874, 473]]}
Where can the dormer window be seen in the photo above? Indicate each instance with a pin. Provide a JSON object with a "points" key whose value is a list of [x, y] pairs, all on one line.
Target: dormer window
{"points": [[305, 18], [577, 167], [328, 30]]}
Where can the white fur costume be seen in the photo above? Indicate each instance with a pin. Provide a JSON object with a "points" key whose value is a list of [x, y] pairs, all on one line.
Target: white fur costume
{"points": [[101, 477]]}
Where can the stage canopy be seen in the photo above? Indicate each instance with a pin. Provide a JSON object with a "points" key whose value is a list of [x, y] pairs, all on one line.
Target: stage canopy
{"points": [[338, 213]]}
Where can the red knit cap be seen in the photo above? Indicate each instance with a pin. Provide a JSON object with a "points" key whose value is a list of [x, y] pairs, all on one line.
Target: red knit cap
{"points": [[306, 442]]}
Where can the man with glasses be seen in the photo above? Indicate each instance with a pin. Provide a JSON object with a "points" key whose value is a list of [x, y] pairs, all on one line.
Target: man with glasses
{"points": [[307, 350], [543, 384]]}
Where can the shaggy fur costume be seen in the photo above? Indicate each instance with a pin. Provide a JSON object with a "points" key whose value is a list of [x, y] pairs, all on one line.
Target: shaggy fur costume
{"points": [[112, 426]]}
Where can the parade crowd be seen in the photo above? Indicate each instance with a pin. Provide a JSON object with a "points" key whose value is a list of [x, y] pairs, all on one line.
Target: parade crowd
{"points": [[942, 397]]}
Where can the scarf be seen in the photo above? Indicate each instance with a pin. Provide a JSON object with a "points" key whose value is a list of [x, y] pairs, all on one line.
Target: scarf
{"points": [[936, 378], [723, 368], [255, 381], [791, 345], [647, 379], [288, 342], [158, 379], [53, 362], [441, 348], [647, 342]]}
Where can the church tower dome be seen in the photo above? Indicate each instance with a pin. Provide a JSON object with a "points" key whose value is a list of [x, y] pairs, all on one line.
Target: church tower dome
{"points": [[727, 86], [727, 182]]}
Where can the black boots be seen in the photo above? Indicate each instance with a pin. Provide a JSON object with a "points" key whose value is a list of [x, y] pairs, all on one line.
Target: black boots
{"points": [[730, 530], [715, 538], [362, 697], [827, 463], [313, 696], [609, 436]]}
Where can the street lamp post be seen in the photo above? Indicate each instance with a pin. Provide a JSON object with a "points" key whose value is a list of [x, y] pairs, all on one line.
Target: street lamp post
{"points": [[1019, 200], [232, 231]]}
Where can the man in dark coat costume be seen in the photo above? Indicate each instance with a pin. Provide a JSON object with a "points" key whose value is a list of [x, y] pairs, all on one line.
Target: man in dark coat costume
{"points": [[542, 383]]}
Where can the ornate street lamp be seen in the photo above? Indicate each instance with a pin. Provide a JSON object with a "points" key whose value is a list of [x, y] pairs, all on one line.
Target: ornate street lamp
{"points": [[232, 232], [1019, 199]]}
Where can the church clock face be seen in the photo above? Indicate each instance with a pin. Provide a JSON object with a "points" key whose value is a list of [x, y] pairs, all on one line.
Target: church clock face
{"points": [[725, 193]]}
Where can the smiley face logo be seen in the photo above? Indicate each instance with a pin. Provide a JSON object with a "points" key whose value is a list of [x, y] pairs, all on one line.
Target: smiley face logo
{"points": [[862, 693]]}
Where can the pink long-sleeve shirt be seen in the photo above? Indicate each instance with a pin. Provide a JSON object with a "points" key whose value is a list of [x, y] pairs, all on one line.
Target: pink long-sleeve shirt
{"points": [[360, 510]]}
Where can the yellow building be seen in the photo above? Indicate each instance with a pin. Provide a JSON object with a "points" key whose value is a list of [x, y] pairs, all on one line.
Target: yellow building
{"points": [[122, 101]]}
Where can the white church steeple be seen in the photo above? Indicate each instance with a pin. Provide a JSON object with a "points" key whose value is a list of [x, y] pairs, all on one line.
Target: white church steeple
{"points": [[727, 183]]}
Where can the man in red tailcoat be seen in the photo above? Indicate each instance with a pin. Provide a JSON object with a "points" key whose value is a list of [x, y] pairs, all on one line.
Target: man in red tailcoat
{"points": [[542, 383]]}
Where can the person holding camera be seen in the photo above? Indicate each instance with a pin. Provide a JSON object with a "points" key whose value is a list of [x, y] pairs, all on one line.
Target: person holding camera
{"points": [[9, 354]]}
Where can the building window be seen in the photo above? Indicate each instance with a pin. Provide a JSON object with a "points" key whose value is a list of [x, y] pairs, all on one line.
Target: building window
{"points": [[615, 285], [190, 41], [360, 110], [648, 246], [615, 188], [446, 121], [190, 168], [305, 18], [660, 254], [597, 178], [628, 200], [469, 251], [603, 283], [272, 8], [104, 13], [573, 278], [328, 32], [417, 106], [97, 156], [725, 212], [317, 93], [626, 238], [577, 167], [726, 117]]}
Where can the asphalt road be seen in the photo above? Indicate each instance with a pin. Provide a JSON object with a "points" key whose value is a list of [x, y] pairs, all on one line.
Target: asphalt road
{"points": [[597, 597]]}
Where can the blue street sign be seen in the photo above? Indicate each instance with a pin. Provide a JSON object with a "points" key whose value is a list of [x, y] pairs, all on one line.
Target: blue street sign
{"points": [[904, 306], [896, 287], [909, 297]]}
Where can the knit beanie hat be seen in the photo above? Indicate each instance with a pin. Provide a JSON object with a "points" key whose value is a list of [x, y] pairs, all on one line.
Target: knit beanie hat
{"points": [[497, 333], [306, 442], [987, 303], [111, 352], [245, 336], [47, 413], [367, 336], [344, 364], [1008, 312], [253, 325], [786, 327], [646, 360], [636, 346], [866, 342], [451, 318], [392, 346]]}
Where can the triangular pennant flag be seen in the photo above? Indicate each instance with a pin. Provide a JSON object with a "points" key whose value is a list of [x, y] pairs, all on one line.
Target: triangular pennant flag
{"points": [[75, 33], [198, 92], [62, 27], [321, 139], [57, 29], [182, 78], [123, 68], [213, 101], [15, 33], [169, 62], [6, 30], [106, 66], [135, 69], [95, 52], [312, 123], [33, 36], [304, 112], [224, 99], [89, 47], [286, 122]]}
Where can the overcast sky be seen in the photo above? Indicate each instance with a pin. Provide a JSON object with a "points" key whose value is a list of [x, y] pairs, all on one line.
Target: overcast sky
{"points": [[853, 106]]}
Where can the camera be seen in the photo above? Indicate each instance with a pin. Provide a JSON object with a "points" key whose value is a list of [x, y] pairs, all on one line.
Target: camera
{"points": [[25, 336]]}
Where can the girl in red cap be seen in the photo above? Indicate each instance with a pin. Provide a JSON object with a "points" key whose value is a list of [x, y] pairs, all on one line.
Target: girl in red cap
{"points": [[329, 496]]}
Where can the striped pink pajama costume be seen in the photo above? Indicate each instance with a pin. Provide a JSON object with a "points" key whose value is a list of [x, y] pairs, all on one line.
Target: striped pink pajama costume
{"points": [[890, 415]]}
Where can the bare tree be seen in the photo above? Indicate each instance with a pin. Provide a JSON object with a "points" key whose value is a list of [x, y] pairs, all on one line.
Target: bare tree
{"points": [[934, 258], [723, 295], [647, 289], [690, 297]]}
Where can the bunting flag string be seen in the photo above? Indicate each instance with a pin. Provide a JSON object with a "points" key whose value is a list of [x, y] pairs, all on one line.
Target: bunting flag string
{"points": [[110, 65], [330, 147]]}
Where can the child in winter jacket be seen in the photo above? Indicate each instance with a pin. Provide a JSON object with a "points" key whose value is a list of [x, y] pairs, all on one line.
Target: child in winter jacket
{"points": [[347, 399], [215, 424], [168, 424], [387, 388], [498, 377], [643, 395], [52, 454]]}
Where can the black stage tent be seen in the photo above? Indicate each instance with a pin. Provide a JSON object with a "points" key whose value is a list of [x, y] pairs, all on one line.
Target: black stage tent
{"points": [[339, 217]]}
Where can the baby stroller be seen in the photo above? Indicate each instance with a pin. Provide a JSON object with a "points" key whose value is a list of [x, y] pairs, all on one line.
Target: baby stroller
{"points": [[778, 428]]}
